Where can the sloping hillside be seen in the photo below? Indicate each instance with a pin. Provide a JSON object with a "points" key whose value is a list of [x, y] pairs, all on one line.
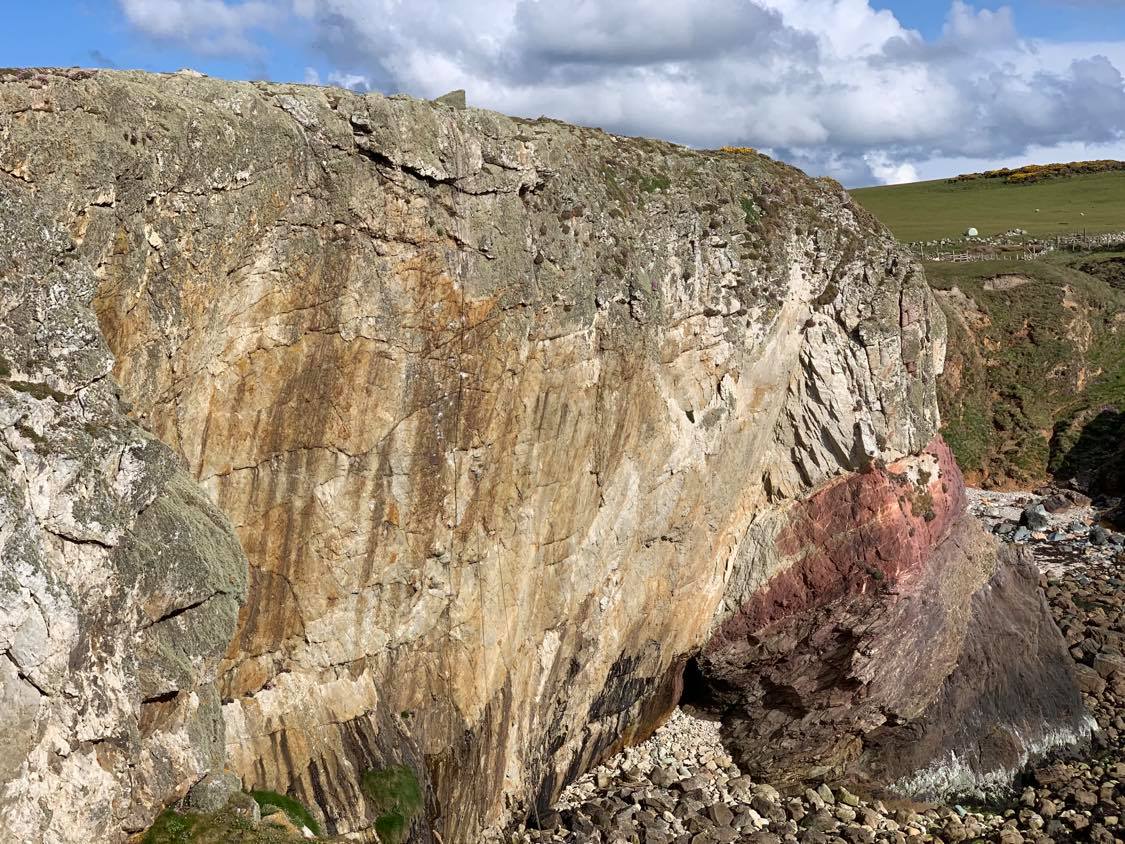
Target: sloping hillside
{"points": [[1035, 373]]}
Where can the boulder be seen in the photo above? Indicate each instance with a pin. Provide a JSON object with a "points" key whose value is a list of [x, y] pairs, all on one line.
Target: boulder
{"points": [[1035, 517], [824, 682], [1064, 500], [1089, 680], [213, 792]]}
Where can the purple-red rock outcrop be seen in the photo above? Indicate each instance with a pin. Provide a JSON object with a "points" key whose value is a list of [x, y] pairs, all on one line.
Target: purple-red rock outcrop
{"points": [[879, 652]]}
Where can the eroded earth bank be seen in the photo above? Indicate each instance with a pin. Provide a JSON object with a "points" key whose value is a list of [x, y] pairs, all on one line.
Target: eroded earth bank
{"points": [[403, 460]]}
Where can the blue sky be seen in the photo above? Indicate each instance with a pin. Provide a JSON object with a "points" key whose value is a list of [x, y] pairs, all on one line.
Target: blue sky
{"points": [[1057, 20], [866, 90]]}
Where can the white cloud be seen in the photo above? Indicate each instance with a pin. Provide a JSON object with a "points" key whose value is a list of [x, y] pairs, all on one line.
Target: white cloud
{"points": [[212, 27], [354, 81], [889, 172], [832, 85], [968, 26]]}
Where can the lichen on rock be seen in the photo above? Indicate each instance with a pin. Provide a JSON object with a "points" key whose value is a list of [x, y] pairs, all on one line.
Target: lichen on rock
{"points": [[119, 580]]}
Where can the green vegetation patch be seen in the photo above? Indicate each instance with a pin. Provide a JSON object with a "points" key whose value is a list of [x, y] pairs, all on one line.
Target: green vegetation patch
{"points": [[396, 797], [1040, 172], [651, 184], [1110, 268], [294, 809], [1029, 368], [1093, 203], [170, 827], [749, 209]]}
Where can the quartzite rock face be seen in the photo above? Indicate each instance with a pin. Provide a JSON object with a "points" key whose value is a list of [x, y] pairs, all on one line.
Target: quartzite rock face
{"points": [[500, 410], [119, 580]]}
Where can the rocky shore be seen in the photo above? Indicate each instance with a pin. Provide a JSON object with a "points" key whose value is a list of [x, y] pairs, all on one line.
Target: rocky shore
{"points": [[682, 787]]}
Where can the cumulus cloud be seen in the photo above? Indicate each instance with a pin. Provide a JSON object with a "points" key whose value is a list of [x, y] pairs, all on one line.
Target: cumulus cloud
{"points": [[835, 86], [969, 27], [211, 27], [889, 172]]}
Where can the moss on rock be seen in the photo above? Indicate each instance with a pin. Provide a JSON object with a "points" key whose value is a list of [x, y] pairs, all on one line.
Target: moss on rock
{"points": [[293, 808], [396, 796]]}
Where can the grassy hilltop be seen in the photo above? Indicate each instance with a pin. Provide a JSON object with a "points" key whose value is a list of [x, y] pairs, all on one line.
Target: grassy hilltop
{"points": [[934, 210], [1035, 374]]}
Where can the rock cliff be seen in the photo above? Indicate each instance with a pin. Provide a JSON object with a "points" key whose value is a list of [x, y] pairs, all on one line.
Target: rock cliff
{"points": [[512, 420], [120, 582]]}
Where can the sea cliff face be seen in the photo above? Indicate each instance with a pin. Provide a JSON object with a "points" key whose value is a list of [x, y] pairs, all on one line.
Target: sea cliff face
{"points": [[512, 419]]}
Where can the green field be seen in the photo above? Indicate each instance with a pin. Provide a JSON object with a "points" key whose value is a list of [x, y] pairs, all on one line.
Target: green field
{"points": [[935, 210]]}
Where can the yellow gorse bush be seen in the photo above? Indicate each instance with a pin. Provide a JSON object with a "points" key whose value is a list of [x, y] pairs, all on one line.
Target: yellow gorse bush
{"points": [[1039, 172]]}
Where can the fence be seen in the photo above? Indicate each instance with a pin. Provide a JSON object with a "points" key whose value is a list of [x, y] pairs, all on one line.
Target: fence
{"points": [[969, 257], [1071, 241], [1080, 241]]}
